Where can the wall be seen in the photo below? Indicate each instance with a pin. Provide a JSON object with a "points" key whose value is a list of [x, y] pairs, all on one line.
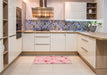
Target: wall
{"points": [[23, 15], [48, 25], [58, 8], [57, 4], [19, 3], [105, 16], [29, 5], [100, 13], [100, 9]]}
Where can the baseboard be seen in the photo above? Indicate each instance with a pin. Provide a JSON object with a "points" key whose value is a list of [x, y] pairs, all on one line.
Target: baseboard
{"points": [[49, 53], [91, 67], [101, 71], [10, 64]]}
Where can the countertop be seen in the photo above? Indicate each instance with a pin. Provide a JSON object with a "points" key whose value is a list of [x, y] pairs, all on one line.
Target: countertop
{"points": [[96, 35]]}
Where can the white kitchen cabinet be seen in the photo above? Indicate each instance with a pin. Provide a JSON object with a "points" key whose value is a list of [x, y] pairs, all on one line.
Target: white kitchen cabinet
{"points": [[92, 52], [87, 48], [1, 55], [12, 48], [58, 41], [28, 42], [42, 42], [12, 17], [1, 16], [1, 61], [19, 45], [71, 42], [75, 10]]}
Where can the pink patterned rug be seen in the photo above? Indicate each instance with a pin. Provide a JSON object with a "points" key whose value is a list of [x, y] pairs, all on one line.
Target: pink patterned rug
{"points": [[52, 60]]}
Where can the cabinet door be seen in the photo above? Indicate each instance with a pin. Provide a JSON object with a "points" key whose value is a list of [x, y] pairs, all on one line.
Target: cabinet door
{"points": [[1, 55], [19, 45], [28, 42], [1, 10], [92, 52], [12, 48], [75, 10], [71, 42], [58, 42], [12, 17]]}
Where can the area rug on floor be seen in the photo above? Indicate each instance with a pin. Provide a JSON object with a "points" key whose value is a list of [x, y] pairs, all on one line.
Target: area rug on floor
{"points": [[52, 60]]}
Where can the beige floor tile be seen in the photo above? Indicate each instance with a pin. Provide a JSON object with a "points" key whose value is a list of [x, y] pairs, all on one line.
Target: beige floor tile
{"points": [[24, 66], [41, 73]]}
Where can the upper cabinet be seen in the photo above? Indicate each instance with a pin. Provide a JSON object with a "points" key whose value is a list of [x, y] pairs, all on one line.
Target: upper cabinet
{"points": [[12, 17], [75, 10], [1, 10], [91, 10]]}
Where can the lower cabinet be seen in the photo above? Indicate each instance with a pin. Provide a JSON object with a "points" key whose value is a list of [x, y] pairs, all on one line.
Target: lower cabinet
{"points": [[49, 42], [42, 42], [19, 45], [12, 48], [87, 49], [58, 41], [1, 55], [71, 42], [28, 42]]}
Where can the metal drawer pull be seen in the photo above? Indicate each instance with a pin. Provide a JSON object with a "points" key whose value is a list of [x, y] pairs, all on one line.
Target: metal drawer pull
{"points": [[84, 49], [84, 40], [42, 44], [43, 36], [12, 35]]}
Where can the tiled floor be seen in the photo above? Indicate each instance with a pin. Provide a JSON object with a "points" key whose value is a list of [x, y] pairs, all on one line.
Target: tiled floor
{"points": [[24, 66]]}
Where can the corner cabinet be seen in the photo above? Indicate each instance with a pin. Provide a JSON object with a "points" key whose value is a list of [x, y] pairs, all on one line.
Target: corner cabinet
{"points": [[87, 49], [58, 41], [75, 10]]}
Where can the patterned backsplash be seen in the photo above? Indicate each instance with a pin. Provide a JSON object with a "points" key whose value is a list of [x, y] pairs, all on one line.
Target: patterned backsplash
{"points": [[48, 25]]}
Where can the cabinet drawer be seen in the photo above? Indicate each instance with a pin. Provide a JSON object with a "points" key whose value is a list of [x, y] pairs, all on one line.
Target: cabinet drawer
{"points": [[84, 51], [42, 47], [42, 40], [84, 39], [42, 34]]}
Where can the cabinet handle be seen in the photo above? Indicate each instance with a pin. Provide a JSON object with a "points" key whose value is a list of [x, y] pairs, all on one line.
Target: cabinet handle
{"points": [[42, 44], [42, 36], [84, 49], [85, 40], [12, 35]]}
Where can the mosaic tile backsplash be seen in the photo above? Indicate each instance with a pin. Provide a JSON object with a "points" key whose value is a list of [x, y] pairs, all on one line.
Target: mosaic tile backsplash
{"points": [[48, 25]]}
